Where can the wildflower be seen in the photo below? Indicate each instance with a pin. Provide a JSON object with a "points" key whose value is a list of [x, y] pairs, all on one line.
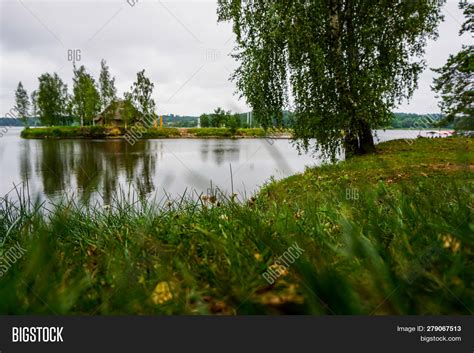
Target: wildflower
{"points": [[162, 293], [91, 249], [299, 214], [451, 243], [280, 269]]}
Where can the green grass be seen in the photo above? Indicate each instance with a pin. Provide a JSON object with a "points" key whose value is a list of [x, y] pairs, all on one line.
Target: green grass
{"points": [[389, 233]]}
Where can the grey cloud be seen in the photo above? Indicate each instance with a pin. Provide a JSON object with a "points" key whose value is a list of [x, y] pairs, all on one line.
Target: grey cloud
{"points": [[170, 39]]}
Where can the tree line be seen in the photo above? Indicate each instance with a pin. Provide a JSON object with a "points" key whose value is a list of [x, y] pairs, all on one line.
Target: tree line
{"points": [[53, 104], [410, 120], [221, 118]]}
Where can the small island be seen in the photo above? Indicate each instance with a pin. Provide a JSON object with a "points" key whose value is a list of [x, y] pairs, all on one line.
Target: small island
{"points": [[100, 132]]}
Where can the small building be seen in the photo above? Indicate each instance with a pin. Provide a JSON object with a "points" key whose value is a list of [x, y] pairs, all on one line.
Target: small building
{"points": [[118, 114]]}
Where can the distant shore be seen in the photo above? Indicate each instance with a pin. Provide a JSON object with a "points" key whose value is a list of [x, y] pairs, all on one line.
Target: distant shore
{"points": [[100, 132]]}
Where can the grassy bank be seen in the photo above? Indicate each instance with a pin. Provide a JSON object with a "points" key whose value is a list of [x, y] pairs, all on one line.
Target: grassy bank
{"points": [[389, 233], [99, 132]]}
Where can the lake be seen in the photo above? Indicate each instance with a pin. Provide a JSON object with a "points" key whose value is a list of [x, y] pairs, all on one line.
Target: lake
{"points": [[96, 169]]}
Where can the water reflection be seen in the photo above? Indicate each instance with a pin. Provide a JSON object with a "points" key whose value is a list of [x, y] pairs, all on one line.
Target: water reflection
{"points": [[85, 167], [97, 169], [222, 151], [92, 170]]}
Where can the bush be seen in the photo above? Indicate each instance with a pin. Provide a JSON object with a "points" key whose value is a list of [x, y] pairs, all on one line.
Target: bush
{"points": [[252, 132], [161, 133], [210, 132]]}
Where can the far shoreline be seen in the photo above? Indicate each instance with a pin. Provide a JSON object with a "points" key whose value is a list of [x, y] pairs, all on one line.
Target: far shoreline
{"points": [[132, 133], [135, 133]]}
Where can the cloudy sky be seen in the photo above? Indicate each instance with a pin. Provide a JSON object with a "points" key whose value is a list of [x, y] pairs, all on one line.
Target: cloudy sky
{"points": [[179, 44]]}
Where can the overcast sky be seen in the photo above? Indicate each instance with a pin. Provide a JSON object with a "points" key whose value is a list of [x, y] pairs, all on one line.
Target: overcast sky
{"points": [[179, 44]]}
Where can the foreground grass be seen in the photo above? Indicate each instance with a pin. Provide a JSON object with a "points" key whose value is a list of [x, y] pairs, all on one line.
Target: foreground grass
{"points": [[389, 233], [100, 132]]}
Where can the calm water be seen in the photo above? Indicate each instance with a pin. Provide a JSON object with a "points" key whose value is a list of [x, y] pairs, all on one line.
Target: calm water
{"points": [[89, 168]]}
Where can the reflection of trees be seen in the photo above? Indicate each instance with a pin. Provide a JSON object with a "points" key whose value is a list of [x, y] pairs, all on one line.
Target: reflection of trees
{"points": [[219, 150], [95, 166], [54, 166], [145, 182], [222, 152], [204, 150], [25, 161], [87, 169]]}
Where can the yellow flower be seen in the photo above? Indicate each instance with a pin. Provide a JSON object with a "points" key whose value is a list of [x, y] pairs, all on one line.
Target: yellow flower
{"points": [[455, 245], [299, 214], [257, 256], [450, 242], [280, 269], [161, 293]]}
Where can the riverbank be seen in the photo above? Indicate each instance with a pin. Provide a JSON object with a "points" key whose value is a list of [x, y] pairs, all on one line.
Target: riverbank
{"points": [[388, 233], [99, 132]]}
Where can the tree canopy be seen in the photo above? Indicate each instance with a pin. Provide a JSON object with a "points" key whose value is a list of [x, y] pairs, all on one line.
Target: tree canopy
{"points": [[22, 103], [456, 79], [53, 105], [141, 93], [52, 100], [340, 65], [107, 90], [86, 97], [34, 103]]}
